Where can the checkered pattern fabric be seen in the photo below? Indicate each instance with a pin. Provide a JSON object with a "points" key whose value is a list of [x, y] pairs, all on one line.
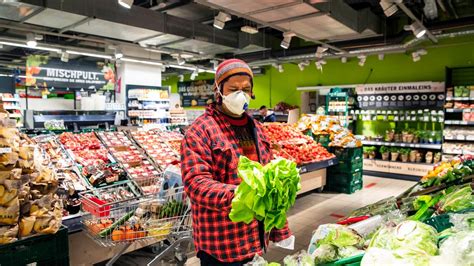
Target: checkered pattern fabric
{"points": [[209, 158]]}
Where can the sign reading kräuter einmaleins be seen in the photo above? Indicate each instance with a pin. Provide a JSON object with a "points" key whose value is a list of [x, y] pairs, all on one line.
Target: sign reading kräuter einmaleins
{"points": [[401, 95]]}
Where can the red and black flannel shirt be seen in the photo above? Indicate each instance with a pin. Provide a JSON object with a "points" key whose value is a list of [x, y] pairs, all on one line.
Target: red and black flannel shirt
{"points": [[209, 158]]}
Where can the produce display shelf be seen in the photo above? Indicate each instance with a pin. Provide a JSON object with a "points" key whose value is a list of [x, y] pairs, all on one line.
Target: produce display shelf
{"points": [[459, 98], [458, 122], [459, 110], [317, 165], [410, 145], [460, 138], [73, 222], [15, 115], [428, 164]]}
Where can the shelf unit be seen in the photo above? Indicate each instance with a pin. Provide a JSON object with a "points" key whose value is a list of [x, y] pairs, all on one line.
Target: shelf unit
{"points": [[11, 103], [401, 144], [147, 105]]}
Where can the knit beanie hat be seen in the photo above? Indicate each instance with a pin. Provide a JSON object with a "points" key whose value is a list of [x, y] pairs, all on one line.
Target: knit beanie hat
{"points": [[232, 67]]}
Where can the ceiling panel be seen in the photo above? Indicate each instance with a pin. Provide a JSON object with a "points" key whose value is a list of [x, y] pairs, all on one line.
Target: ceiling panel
{"points": [[192, 12], [114, 30], [54, 19], [246, 6], [200, 47], [16, 11], [320, 28], [287, 12]]}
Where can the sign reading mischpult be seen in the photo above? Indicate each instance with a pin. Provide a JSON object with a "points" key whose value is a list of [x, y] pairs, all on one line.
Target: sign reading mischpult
{"points": [[44, 72]]}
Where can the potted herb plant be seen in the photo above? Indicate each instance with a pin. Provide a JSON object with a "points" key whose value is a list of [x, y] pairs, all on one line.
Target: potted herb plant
{"points": [[394, 152], [397, 137], [419, 157], [404, 136], [416, 136], [389, 134], [404, 153], [371, 152], [385, 151], [437, 158], [413, 154], [429, 157], [365, 152], [410, 136]]}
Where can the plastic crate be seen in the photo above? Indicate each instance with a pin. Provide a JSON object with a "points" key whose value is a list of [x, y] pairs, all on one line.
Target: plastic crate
{"points": [[324, 140], [348, 166], [50, 250], [344, 178], [346, 154], [348, 189]]}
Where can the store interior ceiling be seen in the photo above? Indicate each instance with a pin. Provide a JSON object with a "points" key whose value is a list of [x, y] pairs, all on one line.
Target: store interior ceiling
{"points": [[195, 35]]}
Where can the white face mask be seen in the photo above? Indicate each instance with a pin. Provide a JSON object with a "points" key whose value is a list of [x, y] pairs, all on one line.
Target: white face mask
{"points": [[237, 102]]}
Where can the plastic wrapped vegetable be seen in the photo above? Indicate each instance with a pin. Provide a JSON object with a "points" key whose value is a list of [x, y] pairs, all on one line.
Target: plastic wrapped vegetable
{"points": [[457, 249], [459, 198], [301, 258], [324, 253], [379, 256]]}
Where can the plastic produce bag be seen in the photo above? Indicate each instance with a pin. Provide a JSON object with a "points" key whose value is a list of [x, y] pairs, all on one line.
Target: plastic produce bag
{"points": [[259, 261], [301, 258], [462, 221], [457, 249]]}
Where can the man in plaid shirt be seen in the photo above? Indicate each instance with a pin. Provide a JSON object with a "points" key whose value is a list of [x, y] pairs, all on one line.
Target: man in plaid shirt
{"points": [[209, 158]]}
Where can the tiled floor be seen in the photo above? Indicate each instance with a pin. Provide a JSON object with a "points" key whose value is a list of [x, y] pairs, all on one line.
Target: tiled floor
{"points": [[314, 209], [310, 210]]}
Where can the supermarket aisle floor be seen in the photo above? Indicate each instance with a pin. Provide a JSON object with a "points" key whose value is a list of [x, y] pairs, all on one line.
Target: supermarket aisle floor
{"points": [[314, 209]]}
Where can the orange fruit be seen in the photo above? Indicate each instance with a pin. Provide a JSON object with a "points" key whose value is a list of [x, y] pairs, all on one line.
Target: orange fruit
{"points": [[118, 235]]}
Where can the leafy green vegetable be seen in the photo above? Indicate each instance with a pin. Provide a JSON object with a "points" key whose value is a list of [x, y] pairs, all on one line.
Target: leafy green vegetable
{"points": [[459, 199], [349, 251], [420, 201], [266, 192], [301, 258], [325, 253]]}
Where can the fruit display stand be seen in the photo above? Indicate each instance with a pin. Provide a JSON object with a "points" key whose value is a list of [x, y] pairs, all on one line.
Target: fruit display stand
{"points": [[312, 158]]}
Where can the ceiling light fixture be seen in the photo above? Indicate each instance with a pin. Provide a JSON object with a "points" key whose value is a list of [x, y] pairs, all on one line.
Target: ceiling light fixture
{"points": [[30, 40], [65, 57], [381, 57], [249, 29], [416, 56], [89, 54], [287, 36], [126, 3], [26, 46], [389, 7], [194, 74], [221, 19], [344, 59], [181, 78], [125, 59], [320, 51], [180, 60], [118, 53], [302, 65], [215, 64], [319, 64], [362, 59], [417, 29]]}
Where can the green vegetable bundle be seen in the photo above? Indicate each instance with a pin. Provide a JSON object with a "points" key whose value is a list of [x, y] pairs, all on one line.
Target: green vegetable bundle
{"points": [[458, 199], [266, 192]]}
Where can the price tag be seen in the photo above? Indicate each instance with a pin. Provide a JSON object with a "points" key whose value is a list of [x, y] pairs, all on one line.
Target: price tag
{"points": [[5, 150], [331, 162], [403, 145], [460, 137], [470, 138], [303, 169]]}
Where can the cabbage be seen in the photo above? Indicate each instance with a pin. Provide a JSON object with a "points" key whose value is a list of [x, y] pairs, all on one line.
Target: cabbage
{"points": [[324, 253], [379, 256], [347, 252], [299, 259]]}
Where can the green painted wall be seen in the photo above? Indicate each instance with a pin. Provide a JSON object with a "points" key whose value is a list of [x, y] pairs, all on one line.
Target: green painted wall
{"points": [[274, 87]]}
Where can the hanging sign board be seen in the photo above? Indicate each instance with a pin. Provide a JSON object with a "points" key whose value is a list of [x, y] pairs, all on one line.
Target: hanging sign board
{"points": [[41, 71], [196, 93], [401, 95]]}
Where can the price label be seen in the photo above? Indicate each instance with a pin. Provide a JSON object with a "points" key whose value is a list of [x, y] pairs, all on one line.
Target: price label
{"points": [[331, 162], [5, 150], [470, 138], [303, 170], [460, 137], [403, 145]]}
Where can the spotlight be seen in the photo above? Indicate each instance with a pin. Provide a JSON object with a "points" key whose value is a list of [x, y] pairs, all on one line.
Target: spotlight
{"points": [[30, 40], [389, 7], [249, 29], [362, 59], [319, 64], [181, 78], [417, 29], [280, 68], [302, 65], [126, 3], [64, 57], [180, 60], [320, 51], [221, 19], [416, 56], [344, 59], [194, 74], [215, 64], [381, 57], [118, 53], [285, 43]]}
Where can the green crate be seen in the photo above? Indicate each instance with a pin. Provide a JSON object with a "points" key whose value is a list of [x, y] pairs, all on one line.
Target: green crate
{"points": [[351, 261], [344, 178], [41, 249], [324, 140], [348, 189], [346, 154], [442, 222], [347, 166]]}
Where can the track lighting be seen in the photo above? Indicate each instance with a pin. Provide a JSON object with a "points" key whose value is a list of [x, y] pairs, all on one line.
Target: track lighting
{"points": [[30, 40], [417, 29], [416, 56], [389, 7], [287, 36], [194, 74], [126, 3], [64, 57], [215, 64], [344, 59], [118, 53], [381, 57], [280, 68], [362, 59], [319, 64], [180, 60], [302, 65], [221, 19], [320, 51], [249, 29], [181, 78]]}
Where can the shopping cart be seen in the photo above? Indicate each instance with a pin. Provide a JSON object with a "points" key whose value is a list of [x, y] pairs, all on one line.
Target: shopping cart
{"points": [[163, 218]]}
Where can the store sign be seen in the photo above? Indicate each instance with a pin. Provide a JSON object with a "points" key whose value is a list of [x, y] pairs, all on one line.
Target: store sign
{"points": [[400, 168], [196, 93], [401, 95], [44, 72]]}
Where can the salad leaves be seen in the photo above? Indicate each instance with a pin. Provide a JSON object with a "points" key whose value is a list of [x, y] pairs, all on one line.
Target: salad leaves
{"points": [[266, 192]]}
